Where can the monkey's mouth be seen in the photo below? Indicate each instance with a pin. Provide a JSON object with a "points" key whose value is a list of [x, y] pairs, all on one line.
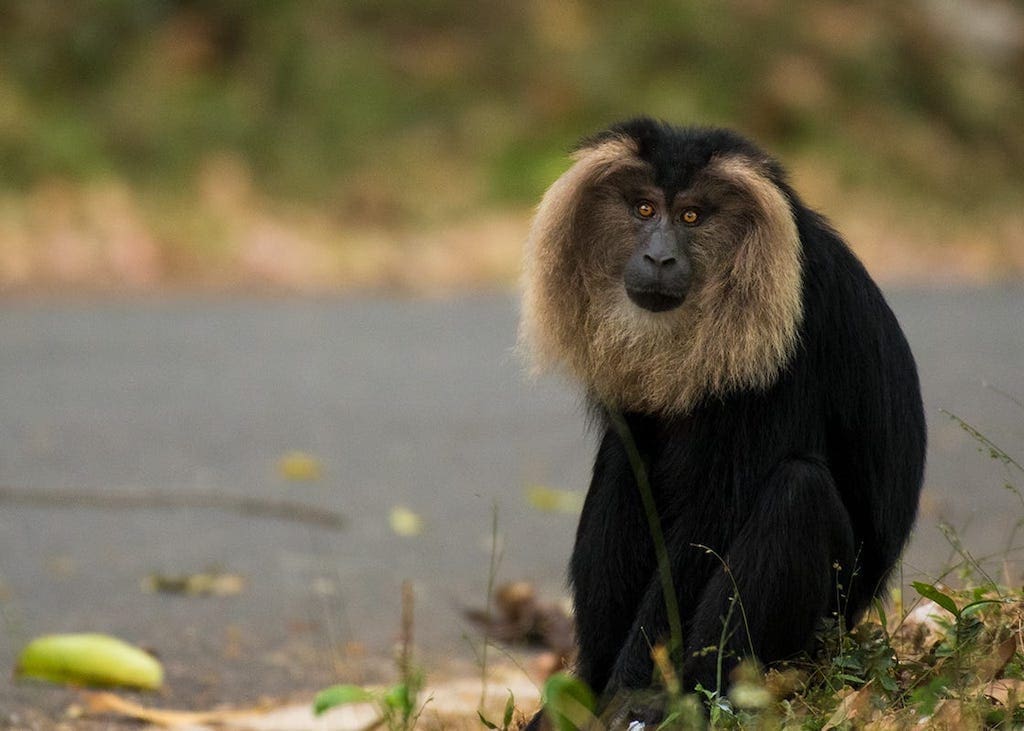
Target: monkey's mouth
{"points": [[656, 300]]}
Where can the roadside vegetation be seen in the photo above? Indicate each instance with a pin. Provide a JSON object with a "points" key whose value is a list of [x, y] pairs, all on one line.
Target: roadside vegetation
{"points": [[948, 654], [944, 658], [320, 145]]}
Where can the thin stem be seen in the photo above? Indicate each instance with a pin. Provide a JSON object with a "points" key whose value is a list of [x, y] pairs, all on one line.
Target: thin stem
{"points": [[994, 450], [722, 640], [654, 524], [736, 592], [491, 573]]}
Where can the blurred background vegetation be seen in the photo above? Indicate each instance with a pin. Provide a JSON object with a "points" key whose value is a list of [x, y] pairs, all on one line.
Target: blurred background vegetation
{"points": [[319, 145]]}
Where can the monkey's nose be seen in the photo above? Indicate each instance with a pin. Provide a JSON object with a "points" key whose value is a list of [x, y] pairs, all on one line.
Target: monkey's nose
{"points": [[660, 261], [665, 268]]}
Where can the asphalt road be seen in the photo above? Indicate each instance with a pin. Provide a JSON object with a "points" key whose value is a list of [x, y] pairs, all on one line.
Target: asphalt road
{"points": [[137, 437]]}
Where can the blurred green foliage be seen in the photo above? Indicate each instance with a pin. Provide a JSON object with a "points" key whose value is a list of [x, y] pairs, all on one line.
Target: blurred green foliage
{"points": [[395, 109]]}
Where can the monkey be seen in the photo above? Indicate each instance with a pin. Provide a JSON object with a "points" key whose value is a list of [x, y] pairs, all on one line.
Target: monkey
{"points": [[724, 332]]}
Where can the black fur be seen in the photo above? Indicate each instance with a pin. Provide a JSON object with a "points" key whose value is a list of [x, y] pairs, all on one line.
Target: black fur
{"points": [[821, 470]]}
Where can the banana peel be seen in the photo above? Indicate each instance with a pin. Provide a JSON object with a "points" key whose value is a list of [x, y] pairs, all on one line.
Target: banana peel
{"points": [[89, 659]]}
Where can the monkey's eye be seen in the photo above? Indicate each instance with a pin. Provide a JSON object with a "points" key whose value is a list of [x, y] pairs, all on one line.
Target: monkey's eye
{"points": [[690, 216], [645, 209]]}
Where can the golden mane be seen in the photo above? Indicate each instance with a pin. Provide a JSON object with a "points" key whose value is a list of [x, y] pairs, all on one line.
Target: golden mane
{"points": [[737, 327]]}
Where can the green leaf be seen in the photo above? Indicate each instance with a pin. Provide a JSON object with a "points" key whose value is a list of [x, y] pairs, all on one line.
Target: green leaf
{"points": [[485, 722], [339, 695], [848, 662], [968, 629], [510, 709], [670, 721], [926, 697], [943, 600], [880, 611], [975, 606], [568, 702], [398, 698]]}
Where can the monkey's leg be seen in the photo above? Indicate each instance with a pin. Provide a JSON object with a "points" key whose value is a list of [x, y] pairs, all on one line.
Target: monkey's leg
{"points": [[789, 566], [780, 568]]}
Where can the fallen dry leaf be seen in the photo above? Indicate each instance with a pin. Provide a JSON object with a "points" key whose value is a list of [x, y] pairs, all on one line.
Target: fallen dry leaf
{"points": [[206, 583], [951, 715], [991, 666], [550, 500], [784, 683], [855, 706], [518, 616], [405, 522], [1005, 689], [299, 466], [101, 703], [898, 721]]}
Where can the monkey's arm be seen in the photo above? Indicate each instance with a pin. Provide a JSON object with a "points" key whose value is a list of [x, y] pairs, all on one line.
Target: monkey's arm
{"points": [[781, 569], [611, 561]]}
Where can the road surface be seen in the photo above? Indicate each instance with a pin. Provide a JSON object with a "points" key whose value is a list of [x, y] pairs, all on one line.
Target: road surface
{"points": [[139, 437]]}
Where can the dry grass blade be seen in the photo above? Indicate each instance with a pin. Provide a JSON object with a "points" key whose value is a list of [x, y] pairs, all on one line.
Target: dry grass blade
{"points": [[109, 703]]}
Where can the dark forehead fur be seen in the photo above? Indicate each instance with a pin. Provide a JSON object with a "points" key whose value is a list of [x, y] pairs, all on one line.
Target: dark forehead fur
{"points": [[676, 154]]}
